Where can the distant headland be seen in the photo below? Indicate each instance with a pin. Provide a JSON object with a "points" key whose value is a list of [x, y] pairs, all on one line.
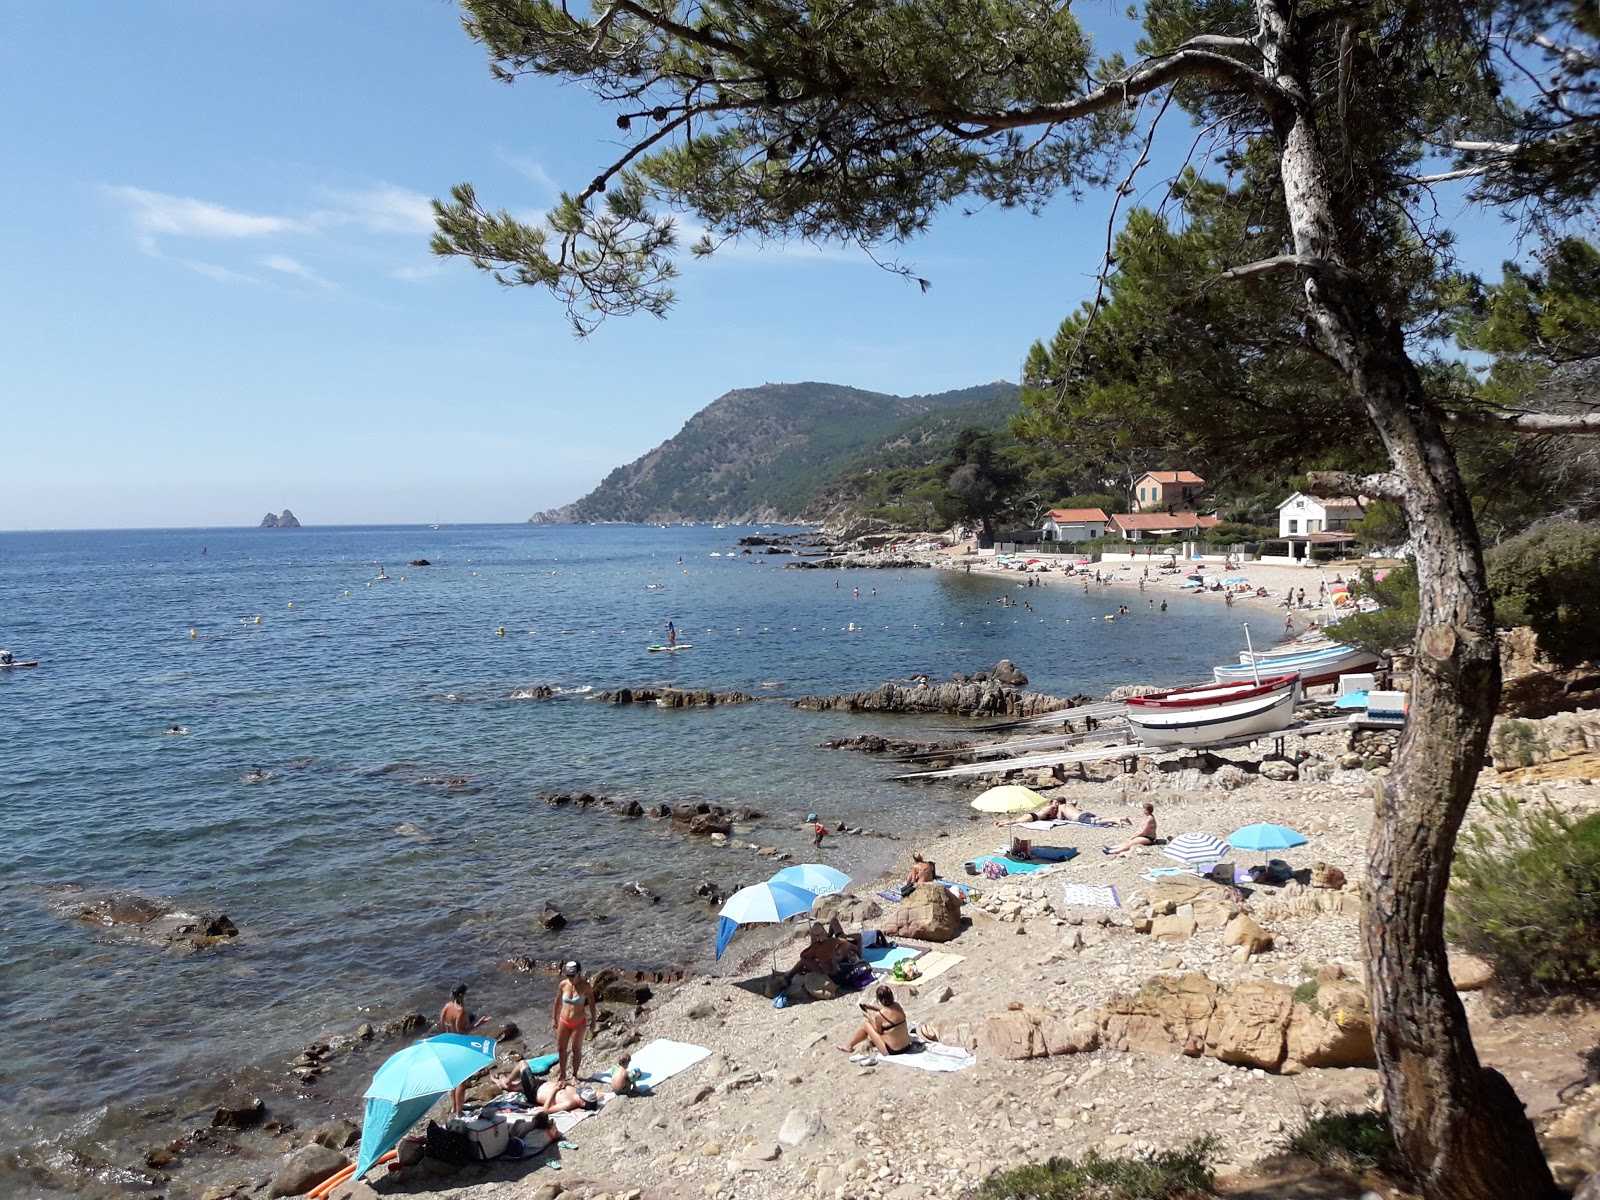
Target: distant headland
{"points": [[283, 520]]}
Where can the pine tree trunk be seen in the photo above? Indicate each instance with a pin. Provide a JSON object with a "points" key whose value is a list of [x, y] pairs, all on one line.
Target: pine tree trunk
{"points": [[1459, 1125]]}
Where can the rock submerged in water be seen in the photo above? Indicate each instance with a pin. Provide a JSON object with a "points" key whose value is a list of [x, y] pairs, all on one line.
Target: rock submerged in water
{"points": [[156, 923], [986, 698], [239, 1113], [673, 697], [304, 1169]]}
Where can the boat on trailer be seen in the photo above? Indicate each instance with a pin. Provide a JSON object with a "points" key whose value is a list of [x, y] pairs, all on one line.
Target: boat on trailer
{"points": [[1214, 712], [1321, 665]]}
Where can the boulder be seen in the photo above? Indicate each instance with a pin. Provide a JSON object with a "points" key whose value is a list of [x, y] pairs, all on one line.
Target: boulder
{"points": [[1172, 928], [799, 1127], [1250, 1025], [239, 1112], [551, 917], [1278, 769], [1332, 1029], [1014, 1034], [1243, 931], [1326, 875], [304, 1169], [932, 913], [850, 909], [989, 698], [707, 823], [1166, 896], [339, 1134], [1168, 1012], [1006, 672], [1469, 973]]}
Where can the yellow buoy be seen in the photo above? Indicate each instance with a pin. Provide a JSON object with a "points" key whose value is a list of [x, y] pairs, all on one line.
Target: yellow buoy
{"points": [[291, 604], [501, 631], [258, 620], [192, 633], [347, 591]]}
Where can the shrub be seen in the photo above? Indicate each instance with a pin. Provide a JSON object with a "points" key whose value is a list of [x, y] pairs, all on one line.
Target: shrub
{"points": [[1394, 624], [1526, 896], [1168, 1175], [1548, 578], [1349, 1141]]}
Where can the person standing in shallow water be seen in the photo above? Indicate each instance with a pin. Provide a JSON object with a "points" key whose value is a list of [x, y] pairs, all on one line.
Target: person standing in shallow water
{"points": [[573, 1007], [454, 1018]]}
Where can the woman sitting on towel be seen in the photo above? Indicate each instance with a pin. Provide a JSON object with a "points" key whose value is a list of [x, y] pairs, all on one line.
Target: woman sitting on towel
{"points": [[1145, 836], [885, 1027], [921, 871]]}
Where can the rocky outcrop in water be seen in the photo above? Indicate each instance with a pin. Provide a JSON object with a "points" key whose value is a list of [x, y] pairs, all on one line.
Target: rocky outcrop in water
{"points": [[673, 697], [157, 923], [283, 520], [871, 743], [989, 698]]}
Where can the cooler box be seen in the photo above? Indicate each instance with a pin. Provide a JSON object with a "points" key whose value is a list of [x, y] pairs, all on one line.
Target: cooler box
{"points": [[491, 1135], [1387, 707], [1356, 683]]}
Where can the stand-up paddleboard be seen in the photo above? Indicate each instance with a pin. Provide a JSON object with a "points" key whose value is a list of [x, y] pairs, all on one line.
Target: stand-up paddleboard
{"points": [[9, 665], [670, 649]]}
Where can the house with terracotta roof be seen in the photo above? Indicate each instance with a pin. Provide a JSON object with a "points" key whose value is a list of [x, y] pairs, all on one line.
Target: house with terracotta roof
{"points": [[1135, 527], [1074, 525], [1166, 489]]}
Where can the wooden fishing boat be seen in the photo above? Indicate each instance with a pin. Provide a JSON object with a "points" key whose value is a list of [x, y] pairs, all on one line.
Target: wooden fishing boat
{"points": [[1323, 664], [1211, 713]]}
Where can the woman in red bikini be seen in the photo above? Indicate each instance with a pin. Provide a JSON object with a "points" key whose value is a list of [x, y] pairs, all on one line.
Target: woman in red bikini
{"points": [[573, 1008]]}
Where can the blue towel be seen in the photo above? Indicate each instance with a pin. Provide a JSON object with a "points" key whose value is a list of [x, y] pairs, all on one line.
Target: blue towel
{"points": [[1012, 866], [1050, 854]]}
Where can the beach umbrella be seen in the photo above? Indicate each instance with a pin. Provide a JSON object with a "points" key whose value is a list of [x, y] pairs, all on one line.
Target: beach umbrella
{"points": [[1009, 798], [1266, 837], [761, 904], [1194, 848], [406, 1086], [813, 877]]}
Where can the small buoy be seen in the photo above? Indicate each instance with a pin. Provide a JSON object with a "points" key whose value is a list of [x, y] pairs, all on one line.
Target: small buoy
{"points": [[192, 633], [258, 620], [347, 591], [291, 604], [502, 631]]}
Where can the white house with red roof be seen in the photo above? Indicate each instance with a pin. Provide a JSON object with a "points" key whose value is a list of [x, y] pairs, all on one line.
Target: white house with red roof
{"points": [[1074, 525], [1166, 489]]}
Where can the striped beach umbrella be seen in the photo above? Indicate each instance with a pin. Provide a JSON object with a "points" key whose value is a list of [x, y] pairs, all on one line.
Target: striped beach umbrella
{"points": [[1192, 848]]}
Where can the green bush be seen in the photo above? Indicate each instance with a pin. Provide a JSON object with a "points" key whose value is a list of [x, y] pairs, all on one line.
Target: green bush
{"points": [[1168, 1175], [1548, 578], [1525, 894], [1349, 1141]]}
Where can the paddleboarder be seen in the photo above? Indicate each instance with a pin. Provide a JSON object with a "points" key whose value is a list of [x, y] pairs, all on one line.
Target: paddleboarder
{"points": [[672, 636]]}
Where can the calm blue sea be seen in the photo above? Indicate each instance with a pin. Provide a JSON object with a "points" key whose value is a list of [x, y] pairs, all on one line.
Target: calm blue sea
{"points": [[356, 694]]}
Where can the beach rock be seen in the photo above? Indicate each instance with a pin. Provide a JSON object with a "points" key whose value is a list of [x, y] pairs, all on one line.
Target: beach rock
{"points": [[339, 1134], [1250, 1025], [1243, 931], [407, 1026], [1326, 875], [628, 808], [987, 699], [1469, 973], [800, 1127], [239, 1113], [1007, 673], [849, 908], [1172, 928], [706, 823], [1332, 1029], [551, 917], [304, 1169], [930, 914], [1280, 770]]}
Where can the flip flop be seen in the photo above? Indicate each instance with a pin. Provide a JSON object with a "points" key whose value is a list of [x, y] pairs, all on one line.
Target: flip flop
{"points": [[566, 1145]]}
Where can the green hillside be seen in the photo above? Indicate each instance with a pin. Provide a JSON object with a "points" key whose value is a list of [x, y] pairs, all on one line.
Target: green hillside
{"points": [[795, 451]]}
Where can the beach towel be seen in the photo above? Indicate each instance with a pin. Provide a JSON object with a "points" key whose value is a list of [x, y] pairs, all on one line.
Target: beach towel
{"points": [[935, 963], [662, 1059], [891, 897], [1040, 854], [1044, 824], [1156, 874], [1092, 895], [1012, 866], [962, 890], [882, 958], [932, 1056]]}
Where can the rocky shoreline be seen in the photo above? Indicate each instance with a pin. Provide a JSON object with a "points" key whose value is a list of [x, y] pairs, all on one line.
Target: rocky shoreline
{"points": [[1188, 1009]]}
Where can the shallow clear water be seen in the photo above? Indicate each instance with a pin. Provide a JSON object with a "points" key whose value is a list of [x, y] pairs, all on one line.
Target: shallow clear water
{"points": [[357, 695]]}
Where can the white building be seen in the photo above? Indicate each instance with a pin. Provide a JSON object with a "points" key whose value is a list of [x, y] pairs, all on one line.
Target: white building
{"points": [[1073, 525], [1301, 515]]}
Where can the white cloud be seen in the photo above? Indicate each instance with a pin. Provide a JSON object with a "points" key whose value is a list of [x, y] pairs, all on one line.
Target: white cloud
{"points": [[155, 213], [532, 170], [293, 266], [416, 273], [384, 208], [213, 271]]}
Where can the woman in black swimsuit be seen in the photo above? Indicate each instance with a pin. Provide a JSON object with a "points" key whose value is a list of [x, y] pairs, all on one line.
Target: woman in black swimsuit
{"points": [[885, 1026]]}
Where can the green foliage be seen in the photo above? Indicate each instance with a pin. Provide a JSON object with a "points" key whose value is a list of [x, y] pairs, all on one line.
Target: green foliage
{"points": [[979, 484], [1383, 525], [1525, 894], [1168, 1175], [1395, 622], [1549, 579], [1353, 1142]]}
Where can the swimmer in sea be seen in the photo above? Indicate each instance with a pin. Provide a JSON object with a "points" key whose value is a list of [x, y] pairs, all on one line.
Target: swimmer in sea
{"points": [[256, 773], [177, 729]]}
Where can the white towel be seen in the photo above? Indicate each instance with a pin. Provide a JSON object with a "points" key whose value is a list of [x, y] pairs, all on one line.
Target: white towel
{"points": [[1091, 895], [933, 1057]]}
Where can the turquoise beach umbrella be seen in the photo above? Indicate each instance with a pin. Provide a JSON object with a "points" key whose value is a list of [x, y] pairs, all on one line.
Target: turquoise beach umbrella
{"points": [[406, 1086], [813, 877], [1265, 837], [761, 904]]}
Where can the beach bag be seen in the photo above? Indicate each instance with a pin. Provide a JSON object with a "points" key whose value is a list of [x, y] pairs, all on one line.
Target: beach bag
{"points": [[906, 889], [905, 971], [451, 1146], [994, 870]]}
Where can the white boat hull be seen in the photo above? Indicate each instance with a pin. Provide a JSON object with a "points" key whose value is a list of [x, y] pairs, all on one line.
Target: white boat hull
{"points": [[1210, 715], [1314, 667]]}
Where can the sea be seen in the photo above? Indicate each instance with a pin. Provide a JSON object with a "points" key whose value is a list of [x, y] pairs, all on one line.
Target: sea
{"points": [[398, 839]]}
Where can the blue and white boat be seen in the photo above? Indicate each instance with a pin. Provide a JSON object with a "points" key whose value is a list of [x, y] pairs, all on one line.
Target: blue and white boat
{"points": [[1323, 664]]}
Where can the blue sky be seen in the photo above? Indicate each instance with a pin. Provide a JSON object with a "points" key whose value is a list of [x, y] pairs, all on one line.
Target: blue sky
{"points": [[219, 300]]}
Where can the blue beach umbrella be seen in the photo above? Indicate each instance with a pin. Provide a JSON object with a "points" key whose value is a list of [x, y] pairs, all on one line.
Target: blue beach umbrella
{"points": [[406, 1086], [761, 904], [1266, 837], [813, 877]]}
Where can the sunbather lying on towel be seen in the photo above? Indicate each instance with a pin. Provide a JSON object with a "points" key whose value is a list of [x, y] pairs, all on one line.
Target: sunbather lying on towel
{"points": [[554, 1097], [1056, 810], [885, 1027], [518, 1078]]}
